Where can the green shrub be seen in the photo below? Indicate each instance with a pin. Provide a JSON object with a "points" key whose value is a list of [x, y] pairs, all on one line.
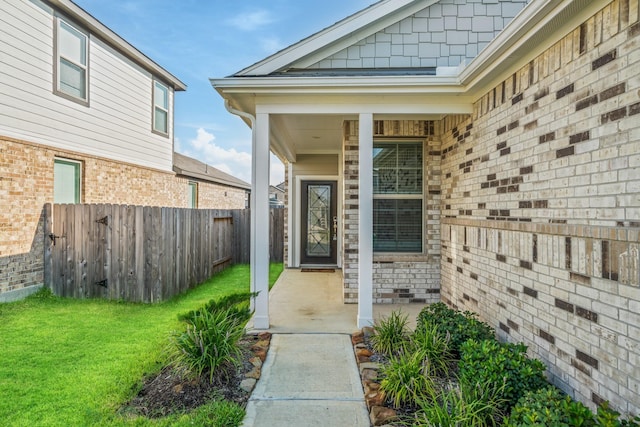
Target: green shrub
{"points": [[607, 417], [433, 345], [461, 326], [238, 303], [478, 406], [210, 341], [489, 362], [404, 379], [390, 334], [549, 407]]}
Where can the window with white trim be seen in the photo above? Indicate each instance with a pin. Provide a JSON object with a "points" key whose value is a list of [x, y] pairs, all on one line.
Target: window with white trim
{"points": [[397, 196], [67, 178], [72, 61], [192, 195], [160, 108]]}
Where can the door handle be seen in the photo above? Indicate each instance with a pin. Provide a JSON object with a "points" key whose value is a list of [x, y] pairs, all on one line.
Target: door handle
{"points": [[335, 228]]}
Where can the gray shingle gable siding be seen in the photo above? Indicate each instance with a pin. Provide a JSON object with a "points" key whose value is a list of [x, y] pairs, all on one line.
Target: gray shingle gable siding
{"points": [[445, 34]]}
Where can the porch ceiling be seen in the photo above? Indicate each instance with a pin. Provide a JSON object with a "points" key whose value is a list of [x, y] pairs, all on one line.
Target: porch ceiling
{"points": [[294, 134], [306, 134]]}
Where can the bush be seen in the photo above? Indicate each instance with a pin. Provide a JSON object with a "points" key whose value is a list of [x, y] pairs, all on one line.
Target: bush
{"points": [[404, 379], [477, 405], [433, 346], [461, 326], [390, 334], [607, 417], [210, 341], [237, 303], [549, 407], [491, 362]]}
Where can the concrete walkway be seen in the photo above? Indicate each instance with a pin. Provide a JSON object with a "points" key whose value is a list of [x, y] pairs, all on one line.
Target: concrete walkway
{"points": [[308, 380], [310, 377]]}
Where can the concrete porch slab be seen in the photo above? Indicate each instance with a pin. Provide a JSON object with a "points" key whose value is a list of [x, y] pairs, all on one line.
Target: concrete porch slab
{"points": [[312, 302]]}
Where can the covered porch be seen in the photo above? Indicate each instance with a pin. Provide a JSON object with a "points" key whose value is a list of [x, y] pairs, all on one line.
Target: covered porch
{"points": [[311, 302], [327, 138]]}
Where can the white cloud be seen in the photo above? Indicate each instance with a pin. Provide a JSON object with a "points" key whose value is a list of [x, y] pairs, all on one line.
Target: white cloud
{"points": [[276, 172], [251, 21], [231, 161], [271, 44]]}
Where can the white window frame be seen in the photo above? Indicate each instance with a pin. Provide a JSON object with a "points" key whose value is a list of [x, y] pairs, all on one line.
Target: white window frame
{"points": [[192, 188], [165, 109], [405, 196], [78, 179], [58, 57]]}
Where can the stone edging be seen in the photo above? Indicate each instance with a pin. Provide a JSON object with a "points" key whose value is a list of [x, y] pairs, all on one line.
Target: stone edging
{"points": [[259, 350], [379, 414]]}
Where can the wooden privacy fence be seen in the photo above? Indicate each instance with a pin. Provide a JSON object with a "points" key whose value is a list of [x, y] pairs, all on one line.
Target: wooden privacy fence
{"points": [[276, 235], [137, 253]]}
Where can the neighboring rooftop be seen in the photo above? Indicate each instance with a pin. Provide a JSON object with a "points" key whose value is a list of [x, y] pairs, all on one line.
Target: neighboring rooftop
{"points": [[192, 168]]}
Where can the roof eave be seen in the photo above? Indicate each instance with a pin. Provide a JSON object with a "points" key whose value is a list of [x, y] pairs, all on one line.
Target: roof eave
{"points": [[361, 84], [105, 33], [208, 178]]}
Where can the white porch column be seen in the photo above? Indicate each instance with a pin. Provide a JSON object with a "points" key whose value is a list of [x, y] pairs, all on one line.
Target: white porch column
{"points": [[260, 221], [365, 221]]}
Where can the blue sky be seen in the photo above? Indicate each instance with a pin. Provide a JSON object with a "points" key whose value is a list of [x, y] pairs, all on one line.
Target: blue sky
{"points": [[199, 39]]}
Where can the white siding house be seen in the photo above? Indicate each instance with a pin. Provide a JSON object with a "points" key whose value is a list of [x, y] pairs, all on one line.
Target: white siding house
{"points": [[116, 107], [84, 118]]}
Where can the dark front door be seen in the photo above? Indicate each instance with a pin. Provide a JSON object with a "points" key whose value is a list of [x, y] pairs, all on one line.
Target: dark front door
{"points": [[319, 223]]}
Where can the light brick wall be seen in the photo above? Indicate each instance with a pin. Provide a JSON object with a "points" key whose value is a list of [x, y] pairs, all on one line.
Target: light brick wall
{"points": [[541, 207], [396, 278], [287, 212], [26, 185], [447, 33]]}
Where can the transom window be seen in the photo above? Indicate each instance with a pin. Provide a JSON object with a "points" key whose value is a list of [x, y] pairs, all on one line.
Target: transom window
{"points": [[71, 61], [160, 108], [398, 196]]}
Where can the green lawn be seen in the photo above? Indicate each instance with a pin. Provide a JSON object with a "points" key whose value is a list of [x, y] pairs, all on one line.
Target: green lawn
{"points": [[66, 362]]}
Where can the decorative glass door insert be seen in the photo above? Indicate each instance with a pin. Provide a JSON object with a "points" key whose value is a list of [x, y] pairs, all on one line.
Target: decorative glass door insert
{"points": [[319, 221]]}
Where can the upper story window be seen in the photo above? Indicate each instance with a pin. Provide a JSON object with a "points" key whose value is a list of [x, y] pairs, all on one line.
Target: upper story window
{"points": [[397, 196], [72, 64], [67, 176], [160, 108]]}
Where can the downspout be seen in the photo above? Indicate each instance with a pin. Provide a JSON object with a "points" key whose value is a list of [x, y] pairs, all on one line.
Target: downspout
{"points": [[252, 197]]}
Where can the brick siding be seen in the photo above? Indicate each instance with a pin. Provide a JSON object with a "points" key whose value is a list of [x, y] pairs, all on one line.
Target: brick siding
{"points": [[541, 213], [26, 185], [396, 278]]}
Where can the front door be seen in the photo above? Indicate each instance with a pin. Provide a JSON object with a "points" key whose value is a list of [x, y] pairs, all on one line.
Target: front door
{"points": [[319, 223]]}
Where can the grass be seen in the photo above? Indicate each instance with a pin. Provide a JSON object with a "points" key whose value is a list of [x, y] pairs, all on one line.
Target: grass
{"points": [[74, 362]]}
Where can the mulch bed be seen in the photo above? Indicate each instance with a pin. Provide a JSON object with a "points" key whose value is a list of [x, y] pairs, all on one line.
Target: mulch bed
{"points": [[170, 391]]}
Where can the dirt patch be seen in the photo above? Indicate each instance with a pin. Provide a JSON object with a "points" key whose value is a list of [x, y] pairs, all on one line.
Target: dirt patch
{"points": [[170, 391]]}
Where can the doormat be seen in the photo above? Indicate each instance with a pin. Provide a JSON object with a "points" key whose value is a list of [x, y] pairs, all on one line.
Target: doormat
{"points": [[318, 270]]}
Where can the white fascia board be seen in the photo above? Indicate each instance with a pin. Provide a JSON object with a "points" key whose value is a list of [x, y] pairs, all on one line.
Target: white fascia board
{"points": [[538, 22], [352, 29], [425, 108], [114, 40], [338, 85]]}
